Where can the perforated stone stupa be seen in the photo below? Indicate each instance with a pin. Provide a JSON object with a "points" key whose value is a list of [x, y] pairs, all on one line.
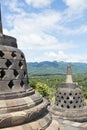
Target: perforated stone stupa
{"points": [[69, 103], [21, 108], [69, 95]]}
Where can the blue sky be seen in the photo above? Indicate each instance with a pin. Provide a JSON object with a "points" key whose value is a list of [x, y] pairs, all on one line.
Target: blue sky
{"points": [[48, 29]]}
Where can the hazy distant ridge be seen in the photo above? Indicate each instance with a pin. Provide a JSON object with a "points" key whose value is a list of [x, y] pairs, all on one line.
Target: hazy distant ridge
{"points": [[47, 67]]}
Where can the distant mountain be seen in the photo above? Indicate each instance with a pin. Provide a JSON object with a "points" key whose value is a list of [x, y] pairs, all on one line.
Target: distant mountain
{"points": [[47, 67]]}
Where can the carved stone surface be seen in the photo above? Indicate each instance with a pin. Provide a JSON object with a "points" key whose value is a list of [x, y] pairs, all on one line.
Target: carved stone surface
{"points": [[69, 98], [8, 41], [19, 103], [69, 103], [68, 95], [13, 71]]}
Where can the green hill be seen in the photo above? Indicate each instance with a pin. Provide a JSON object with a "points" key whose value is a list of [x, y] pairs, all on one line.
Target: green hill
{"points": [[49, 68]]}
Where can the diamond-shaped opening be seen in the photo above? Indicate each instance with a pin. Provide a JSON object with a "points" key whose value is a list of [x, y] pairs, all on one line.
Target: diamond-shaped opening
{"points": [[59, 93], [2, 74], [68, 106], [22, 83], [24, 73], [1, 54], [59, 101], [57, 104], [11, 84], [76, 101], [67, 98], [62, 105], [22, 56], [70, 94], [78, 97], [74, 106], [73, 97], [20, 64], [16, 73], [13, 54], [8, 63], [64, 101], [64, 93], [71, 102], [79, 105], [62, 97]]}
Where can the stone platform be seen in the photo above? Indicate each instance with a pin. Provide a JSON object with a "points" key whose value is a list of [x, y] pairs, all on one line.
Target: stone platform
{"points": [[65, 124]]}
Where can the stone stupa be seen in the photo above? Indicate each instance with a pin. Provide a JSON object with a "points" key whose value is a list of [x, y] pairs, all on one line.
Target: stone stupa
{"points": [[69, 109], [21, 108]]}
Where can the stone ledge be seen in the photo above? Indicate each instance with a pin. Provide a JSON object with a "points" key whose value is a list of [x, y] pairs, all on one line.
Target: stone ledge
{"points": [[20, 117], [8, 41], [35, 125], [14, 95], [20, 104], [78, 115]]}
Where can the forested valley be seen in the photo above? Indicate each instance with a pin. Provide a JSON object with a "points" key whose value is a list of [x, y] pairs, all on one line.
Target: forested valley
{"points": [[47, 85], [45, 77]]}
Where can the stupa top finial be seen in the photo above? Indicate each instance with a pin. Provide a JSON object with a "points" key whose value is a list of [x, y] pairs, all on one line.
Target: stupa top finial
{"points": [[69, 75], [4, 39], [1, 30], [69, 70]]}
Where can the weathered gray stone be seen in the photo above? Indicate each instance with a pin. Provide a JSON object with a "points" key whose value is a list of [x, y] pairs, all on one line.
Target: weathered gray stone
{"points": [[19, 104], [69, 101]]}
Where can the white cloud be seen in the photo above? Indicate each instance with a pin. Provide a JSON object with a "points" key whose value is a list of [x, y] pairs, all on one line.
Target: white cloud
{"points": [[69, 31], [35, 25], [39, 3], [62, 56], [76, 4], [14, 5], [59, 56], [38, 31], [48, 19], [41, 32], [33, 33], [32, 30], [75, 11], [39, 41]]}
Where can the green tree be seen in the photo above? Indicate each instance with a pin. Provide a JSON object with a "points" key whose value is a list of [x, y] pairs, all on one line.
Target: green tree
{"points": [[33, 84], [43, 89]]}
